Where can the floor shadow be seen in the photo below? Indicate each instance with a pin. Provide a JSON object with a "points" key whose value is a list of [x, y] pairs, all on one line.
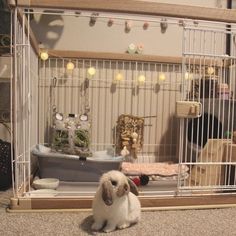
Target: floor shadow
{"points": [[86, 225]]}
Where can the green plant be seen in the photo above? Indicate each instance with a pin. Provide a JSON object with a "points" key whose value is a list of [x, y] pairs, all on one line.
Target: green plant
{"points": [[81, 138], [60, 138]]}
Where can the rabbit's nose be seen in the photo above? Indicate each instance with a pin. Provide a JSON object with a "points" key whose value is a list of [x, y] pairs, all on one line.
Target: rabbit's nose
{"points": [[108, 202]]}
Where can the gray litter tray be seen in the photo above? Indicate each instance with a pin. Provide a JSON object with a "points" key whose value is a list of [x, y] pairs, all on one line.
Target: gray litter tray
{"points": [[73, 168]]}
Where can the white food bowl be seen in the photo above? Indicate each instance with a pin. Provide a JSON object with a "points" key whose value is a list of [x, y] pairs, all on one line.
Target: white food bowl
{"points": [[46, 183]]}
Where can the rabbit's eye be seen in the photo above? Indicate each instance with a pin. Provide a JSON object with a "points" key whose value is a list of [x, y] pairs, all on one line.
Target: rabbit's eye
{"points": [[114, 183]]}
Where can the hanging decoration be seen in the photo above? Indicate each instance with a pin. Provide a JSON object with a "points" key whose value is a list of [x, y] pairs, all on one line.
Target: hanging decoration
{"points": [[129, 131], [163, 25], [145, 25], [93, 19], [110, 22], [128, 26]]}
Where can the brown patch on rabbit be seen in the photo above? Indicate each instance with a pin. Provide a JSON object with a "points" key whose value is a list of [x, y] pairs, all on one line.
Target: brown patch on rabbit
{"points": [[107, 193], [122, 190]]}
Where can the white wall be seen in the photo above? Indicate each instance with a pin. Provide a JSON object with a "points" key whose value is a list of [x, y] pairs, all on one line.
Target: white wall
{"points": [[73, 33]]}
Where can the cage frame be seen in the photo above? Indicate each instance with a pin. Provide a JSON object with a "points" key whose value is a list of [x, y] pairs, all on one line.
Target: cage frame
{"points": [[219, 15]]}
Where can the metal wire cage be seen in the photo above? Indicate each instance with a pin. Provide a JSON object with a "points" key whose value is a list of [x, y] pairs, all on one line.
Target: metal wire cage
{"points": [[188, 107]]}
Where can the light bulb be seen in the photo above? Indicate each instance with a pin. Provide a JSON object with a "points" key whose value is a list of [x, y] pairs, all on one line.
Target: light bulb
{"points": [[91, 71], [141, 79], [188, 76], [70, 66], [44, 55], [162, 76], [210, 70], [119, 77]]}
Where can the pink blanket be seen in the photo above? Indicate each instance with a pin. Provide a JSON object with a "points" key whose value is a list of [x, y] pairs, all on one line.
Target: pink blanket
{"points": [[161, 169]]}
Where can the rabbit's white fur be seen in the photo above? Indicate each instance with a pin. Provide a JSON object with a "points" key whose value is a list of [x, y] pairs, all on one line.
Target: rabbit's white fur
{"points": [[114, 205]]}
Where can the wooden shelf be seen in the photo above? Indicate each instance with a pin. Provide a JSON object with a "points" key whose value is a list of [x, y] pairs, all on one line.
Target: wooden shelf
{"points": [[114, 56], [129, 57], [137, 7]]}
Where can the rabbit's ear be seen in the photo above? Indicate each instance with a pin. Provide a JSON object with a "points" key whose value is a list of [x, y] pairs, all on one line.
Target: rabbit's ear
{"points": [[133, 187], [123, 189], [107, 193]]}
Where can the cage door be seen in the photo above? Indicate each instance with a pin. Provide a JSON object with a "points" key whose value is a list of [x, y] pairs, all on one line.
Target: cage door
{"points": [[207, 110]]}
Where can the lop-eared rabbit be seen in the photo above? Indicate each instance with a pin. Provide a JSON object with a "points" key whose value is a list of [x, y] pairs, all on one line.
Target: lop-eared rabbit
{"points": [[115, 204]]}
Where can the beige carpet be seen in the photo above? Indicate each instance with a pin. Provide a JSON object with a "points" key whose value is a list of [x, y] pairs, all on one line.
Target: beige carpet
{"points": [[220, 222]]}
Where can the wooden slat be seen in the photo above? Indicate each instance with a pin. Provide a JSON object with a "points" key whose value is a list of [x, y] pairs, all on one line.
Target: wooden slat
{"points": [[146, 202], [137, 7]]}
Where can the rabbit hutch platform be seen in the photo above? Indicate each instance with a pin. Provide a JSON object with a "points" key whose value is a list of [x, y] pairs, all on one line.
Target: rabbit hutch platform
{"points": [[142, 87]]}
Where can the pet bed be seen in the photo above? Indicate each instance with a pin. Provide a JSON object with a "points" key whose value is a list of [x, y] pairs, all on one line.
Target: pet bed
{"points": [[155, 171]]}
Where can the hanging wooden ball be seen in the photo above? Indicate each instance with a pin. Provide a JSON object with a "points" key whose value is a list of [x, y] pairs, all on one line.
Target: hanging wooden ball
{"points": [[134, 135]]}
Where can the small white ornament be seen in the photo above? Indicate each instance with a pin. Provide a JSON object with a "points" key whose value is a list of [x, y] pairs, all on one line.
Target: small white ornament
{"points": [[132, 48]]}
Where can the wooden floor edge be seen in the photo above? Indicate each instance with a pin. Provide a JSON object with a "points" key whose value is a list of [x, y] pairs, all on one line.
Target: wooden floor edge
{"points": [[147, 203], [144, 209]]}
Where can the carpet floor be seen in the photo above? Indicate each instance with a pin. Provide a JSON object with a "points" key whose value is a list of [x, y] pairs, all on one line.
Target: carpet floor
{"points": [[161, 223]]}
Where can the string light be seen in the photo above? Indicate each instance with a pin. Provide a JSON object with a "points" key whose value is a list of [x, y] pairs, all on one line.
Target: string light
{"points": [[210, 70], [119, 77], [162, 76], [188, 76], [141, 79], [44, 55], [91, 72], [70, 66]]}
